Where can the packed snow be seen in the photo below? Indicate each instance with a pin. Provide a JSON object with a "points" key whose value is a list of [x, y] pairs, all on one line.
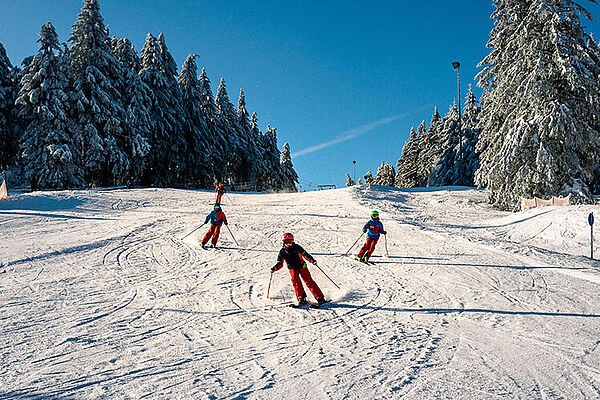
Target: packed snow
{"points": [[101, 298]]}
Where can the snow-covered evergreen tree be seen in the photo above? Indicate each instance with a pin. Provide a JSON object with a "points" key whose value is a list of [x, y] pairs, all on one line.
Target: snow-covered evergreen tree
{"points": [[289, 175], [430, 145], [167, 158], [99, 104], [470, 131], [137, 102], [369, 180], [198, 164], [249, 151], [386, 175], [47, 147], [227, 122], [359, 182], [7, 92], [541, 103], [126, 53], [220, 147], [271, 158], [448, 170], [349, 181], [407, 166]]}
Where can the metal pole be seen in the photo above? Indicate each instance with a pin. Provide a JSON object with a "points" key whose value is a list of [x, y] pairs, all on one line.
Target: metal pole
{"points": [[328, 277], [456, 66], [361, 235], [232, 235], [354, 178], [269, 287], [591, 222], [195, 229]]}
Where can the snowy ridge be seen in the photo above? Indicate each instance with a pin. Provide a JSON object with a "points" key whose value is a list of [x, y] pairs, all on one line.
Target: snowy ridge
{"points": [[102, 299]]}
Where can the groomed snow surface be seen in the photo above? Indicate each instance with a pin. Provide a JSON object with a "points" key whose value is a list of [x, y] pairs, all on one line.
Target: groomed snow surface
{"points": [[101, 299]]}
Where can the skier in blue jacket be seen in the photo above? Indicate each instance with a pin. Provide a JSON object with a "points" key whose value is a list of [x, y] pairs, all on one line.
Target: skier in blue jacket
{"points": [[373, 228], [216, 218]]}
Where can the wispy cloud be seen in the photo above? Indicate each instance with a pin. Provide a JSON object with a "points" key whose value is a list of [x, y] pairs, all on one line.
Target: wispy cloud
{"points": [[349, 135]]}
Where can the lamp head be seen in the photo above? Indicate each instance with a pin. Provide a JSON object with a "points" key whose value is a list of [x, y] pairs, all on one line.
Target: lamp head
{"points": [[456, 64]]}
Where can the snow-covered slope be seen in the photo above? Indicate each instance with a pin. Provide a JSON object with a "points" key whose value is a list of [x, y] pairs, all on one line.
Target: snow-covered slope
{"points": [[100, 298]]}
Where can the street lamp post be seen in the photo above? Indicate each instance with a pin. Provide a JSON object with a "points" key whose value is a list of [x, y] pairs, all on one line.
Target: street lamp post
{"points": [[456, 66], [354, 175]]}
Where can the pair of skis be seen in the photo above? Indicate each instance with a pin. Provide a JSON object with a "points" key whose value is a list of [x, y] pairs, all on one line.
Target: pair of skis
{"points": [[309, 304]]}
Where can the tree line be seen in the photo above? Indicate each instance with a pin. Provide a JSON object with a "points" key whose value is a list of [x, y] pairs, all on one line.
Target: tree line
{"points": [[536, 130], [95, 112]]}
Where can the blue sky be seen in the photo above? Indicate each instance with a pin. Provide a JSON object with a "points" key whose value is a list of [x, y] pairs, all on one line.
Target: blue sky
{"points": [[341, 80]]}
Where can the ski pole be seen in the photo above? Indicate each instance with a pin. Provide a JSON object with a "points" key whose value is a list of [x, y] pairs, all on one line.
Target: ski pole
{"points": [[328, 277], [361, 235], [269, 287], [232, 235], [386, 250], [195, 229]]}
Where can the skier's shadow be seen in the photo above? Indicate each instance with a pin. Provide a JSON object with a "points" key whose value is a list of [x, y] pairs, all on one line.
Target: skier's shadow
{"points": [[456, 311]]}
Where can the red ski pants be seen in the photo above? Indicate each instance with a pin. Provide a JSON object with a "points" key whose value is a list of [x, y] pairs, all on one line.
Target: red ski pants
{"points": [[368, 248], [213, 231], [303, 274]]}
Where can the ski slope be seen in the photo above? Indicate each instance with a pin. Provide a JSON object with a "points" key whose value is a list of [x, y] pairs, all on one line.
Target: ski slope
{"points": [[101, 299]]}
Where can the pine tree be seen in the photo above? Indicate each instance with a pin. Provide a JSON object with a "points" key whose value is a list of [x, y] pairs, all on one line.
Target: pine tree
{"points": [[99, 103], [167, 158], [349, 181], [289, 175], [199, 168], [470, 131], [47, 147], [386, 175], [219, 147], [227, 122], [137, 100], [407, 166], [448, 169], [369, 180], [249, 139], [430, 148], [541, 104], [272, 177], [262, 146], [126, 53], [7, 92]]}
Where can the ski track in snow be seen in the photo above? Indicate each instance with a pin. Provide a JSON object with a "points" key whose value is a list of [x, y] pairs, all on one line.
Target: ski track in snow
{"points": [[102, 299]]}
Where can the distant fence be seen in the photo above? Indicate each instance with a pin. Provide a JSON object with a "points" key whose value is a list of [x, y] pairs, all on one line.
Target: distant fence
{"points": [[325, 187], [554, 201]]}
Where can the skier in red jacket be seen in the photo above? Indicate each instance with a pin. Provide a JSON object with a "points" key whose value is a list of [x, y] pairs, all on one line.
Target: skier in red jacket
{"points": [[217, 218], [294, 255]]}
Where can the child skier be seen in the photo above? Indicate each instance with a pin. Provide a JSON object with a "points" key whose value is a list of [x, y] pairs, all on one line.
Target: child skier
{"points": [[373, 228], [294, 255], [217, 218], [220, 189]]}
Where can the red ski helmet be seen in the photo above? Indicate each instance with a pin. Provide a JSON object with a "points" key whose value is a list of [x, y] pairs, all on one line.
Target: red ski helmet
{"points": [[288, 237]]}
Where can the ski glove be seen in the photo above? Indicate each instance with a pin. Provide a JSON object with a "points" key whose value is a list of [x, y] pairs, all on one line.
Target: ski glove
{"points": [[384, 232], [314, 262], [226, 223]]}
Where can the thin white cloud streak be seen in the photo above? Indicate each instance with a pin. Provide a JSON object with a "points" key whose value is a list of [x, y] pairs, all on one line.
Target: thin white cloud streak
{"points": [[349, 135]]}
